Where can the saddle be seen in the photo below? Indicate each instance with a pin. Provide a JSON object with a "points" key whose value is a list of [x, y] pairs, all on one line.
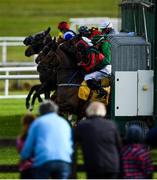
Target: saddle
{"points": [[85, 93]]}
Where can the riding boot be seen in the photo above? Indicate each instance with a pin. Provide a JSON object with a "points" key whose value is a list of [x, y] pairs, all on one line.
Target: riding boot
{"points": [[94, 85], [101, 93]]}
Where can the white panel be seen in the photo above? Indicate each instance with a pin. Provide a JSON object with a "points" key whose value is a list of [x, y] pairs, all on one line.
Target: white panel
{"points": [[145, 92], [125, 93]]}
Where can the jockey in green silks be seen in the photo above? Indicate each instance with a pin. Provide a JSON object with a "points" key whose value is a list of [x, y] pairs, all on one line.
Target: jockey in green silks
{"points": [[99, 64]]}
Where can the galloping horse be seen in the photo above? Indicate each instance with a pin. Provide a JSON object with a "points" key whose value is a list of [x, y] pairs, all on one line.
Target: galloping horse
{"points": [[69, 76], [37, 43]]}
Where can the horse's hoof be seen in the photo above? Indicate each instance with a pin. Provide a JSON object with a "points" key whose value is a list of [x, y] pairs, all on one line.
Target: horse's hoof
{"points": [[30, 108]]}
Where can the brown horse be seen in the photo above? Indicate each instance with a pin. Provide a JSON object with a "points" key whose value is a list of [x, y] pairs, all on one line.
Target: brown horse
{"points": [[41, 43], [36, 42], [69, 76]]}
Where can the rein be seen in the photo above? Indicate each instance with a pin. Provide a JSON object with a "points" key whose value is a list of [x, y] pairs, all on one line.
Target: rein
{"points": [[71, 85], [72, 77], [70, 80]]}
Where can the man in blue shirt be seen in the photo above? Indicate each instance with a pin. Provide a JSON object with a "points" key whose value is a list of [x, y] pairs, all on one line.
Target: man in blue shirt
{"points": [[50, 142]]}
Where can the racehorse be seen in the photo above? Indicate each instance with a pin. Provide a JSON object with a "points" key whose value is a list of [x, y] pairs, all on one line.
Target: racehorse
{"points": [[40, 43], [69, 76], [37, 42]]}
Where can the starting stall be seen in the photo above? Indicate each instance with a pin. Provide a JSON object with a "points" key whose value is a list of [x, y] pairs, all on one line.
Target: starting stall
{"points": [[134, 65]]}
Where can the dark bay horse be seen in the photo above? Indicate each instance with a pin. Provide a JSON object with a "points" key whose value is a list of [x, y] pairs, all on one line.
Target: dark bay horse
{"points": [[36, 42], [40, 43], [69, 76]]}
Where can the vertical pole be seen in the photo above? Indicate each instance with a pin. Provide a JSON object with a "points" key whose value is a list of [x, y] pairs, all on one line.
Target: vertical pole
{"points": [[155, 63], [4, 52], [6, 93]]}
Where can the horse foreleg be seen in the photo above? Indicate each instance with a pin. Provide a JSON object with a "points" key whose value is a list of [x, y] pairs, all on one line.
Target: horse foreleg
{"points": [[34, 88], [47, 95], [40, 90]]}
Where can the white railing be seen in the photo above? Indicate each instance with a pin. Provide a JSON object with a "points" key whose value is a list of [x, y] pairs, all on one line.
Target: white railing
{"points": [[11, 41], [8, 77]]}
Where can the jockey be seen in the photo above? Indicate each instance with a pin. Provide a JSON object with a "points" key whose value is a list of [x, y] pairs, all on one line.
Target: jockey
{"points": [[64, 27], [83, 31], [97, 64], [106, 27], [93, 32]]}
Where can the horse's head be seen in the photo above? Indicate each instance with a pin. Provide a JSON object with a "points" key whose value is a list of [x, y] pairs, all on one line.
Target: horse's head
{"points": [[37, 41]]}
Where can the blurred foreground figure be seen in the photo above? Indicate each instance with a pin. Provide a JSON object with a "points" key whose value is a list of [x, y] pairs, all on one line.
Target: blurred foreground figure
{"points": [[100, 141], [151, 137], [25, 167], [50, 140], [136, 158]]}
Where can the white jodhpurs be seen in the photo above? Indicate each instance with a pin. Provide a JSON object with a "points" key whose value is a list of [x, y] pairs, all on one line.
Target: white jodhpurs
{"points": [[97, 75]]}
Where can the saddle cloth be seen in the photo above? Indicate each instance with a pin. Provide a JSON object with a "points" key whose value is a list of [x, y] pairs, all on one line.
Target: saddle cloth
{"points": [[84, 93]]}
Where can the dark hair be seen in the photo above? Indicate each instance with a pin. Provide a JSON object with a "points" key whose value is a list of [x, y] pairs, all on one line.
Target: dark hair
{"points": [[48, 106], [134, 134], [26, 121]]}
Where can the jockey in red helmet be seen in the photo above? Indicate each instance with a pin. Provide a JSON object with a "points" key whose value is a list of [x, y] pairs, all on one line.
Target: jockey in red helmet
{"points": [[64, 27], [93, 32]]}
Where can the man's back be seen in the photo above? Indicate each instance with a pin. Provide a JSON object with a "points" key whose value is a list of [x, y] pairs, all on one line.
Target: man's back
{"points": [[52, 138], [100, 142]]}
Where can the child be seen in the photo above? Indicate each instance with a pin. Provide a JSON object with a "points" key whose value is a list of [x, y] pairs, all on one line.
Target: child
{"points": [[25, 166], [136, 159]]}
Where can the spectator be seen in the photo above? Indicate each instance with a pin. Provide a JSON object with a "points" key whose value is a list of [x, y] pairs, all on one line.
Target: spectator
{"points": [[64, 27], [151, 137], [25, 167], [100, 142], [50, 140], [136, 159]]}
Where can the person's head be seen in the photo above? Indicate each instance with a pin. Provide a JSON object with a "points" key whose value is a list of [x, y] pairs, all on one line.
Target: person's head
{"points": [[106, 27], [134, 134], [63, 26], [96, 109], [48, 106], [26, 121], [83, 31], [94, 31]]}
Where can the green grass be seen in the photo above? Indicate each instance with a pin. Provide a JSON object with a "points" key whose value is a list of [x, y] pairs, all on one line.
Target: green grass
{"points": [[10, 154], [11, 112], [24, 17], [9, 175]]}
